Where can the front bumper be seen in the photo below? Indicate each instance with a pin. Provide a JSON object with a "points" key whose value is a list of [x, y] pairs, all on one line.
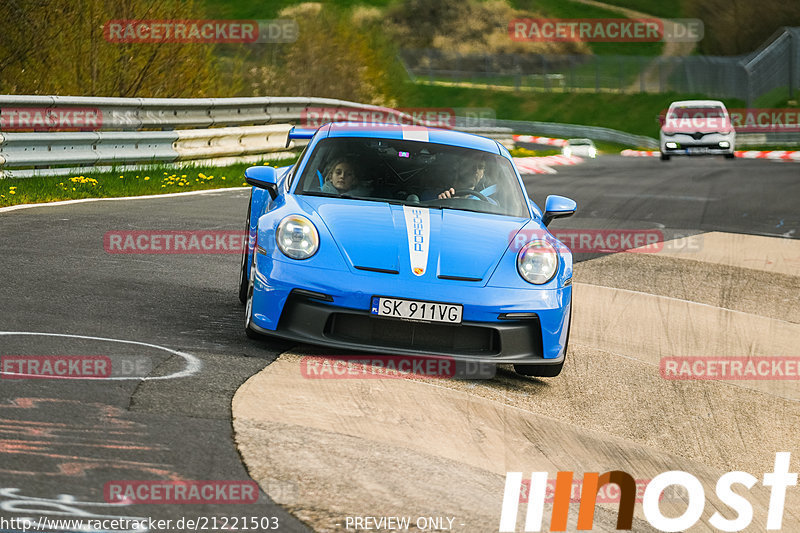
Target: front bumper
{"points": [[311, 308], [707, 144]]}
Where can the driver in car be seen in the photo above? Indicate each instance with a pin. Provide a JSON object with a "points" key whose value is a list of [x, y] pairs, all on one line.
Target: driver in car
{"points": [[471, 178]]}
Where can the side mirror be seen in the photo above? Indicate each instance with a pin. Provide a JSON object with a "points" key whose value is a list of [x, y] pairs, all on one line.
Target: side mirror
{"points": [[263, 177], [558, 207]]}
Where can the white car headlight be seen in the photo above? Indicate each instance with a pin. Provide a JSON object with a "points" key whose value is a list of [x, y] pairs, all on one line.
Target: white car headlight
{"points": [[297, 237], [537, 262]]}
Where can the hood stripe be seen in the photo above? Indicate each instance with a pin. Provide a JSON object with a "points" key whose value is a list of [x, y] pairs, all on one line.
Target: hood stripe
{"points": [[418, 231], [415, 134]]}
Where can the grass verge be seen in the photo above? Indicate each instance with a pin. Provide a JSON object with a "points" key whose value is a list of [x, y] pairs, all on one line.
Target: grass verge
{"points": [[633, 113], [157, 179]]}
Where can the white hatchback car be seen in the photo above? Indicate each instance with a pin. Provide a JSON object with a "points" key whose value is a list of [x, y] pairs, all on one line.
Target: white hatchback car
{"points": [[583, 147], [697, 127]]}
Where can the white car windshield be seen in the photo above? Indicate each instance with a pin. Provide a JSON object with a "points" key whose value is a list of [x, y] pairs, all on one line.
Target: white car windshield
{"points": [[413, 173], [697, 112]]}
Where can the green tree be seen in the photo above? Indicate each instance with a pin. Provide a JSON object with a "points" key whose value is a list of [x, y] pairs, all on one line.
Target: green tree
{"points": [[59, 47]]}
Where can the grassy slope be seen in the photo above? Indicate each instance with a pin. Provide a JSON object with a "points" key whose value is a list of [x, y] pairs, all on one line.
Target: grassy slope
{"points": [[240, 9], [658, 8], [633, 113], [158, 179], [247, 9], [572, 10]]}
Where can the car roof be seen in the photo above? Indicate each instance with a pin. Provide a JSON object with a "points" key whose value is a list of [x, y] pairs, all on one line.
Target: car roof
{"points": [[697, 103], [413, 133]]}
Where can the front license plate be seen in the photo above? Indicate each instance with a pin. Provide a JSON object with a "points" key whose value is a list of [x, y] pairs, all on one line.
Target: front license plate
{"points": [[699, 150], [416, 310]]}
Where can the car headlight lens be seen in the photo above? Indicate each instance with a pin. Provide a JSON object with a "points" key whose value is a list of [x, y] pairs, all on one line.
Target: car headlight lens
{"points": [[724, 144], [537, 262], [297, 237], [671, 146]]}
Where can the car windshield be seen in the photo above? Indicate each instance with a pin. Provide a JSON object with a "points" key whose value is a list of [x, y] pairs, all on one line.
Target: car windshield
{"points": [[413, 173], [697, 112], [580, 142]]}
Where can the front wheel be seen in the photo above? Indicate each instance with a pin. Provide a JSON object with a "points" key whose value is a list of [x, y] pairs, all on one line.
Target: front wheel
{"points": [[730, 156], [664, 157], [248, 312], [245, 253]]}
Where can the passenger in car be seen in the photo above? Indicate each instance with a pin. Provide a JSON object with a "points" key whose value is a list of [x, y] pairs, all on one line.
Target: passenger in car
{"points": [[342, 177]]}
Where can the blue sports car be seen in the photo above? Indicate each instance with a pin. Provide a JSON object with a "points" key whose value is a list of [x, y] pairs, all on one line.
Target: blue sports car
{"points": [[410, 241]]}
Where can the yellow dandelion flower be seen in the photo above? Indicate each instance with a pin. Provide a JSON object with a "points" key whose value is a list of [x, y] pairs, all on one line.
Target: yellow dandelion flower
{"points": [[146, 178], [12, 192]]}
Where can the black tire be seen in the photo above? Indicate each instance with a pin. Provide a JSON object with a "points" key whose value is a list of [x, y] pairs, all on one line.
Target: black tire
{"points": [[730, 156], [665, 157], [248, 312], [243, 267]]}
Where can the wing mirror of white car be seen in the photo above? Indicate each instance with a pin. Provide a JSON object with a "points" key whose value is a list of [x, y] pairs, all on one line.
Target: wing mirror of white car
{"points": [[263, 177], [558, 207]]}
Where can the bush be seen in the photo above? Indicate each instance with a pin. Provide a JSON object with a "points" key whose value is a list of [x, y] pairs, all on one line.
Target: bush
{"points": [[338, 54], [58, 47]]}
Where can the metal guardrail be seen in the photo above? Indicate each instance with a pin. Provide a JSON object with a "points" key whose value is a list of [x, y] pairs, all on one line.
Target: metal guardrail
{"points": [[158, 130], [555, 129], [145, 131]]}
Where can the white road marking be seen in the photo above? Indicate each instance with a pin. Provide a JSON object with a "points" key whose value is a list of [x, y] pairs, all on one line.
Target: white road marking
{"points": [[145, 197], [193, 364]]}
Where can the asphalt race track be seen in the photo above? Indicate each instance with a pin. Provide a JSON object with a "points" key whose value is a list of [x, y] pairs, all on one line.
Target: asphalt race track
{"points": [[324, 451]]}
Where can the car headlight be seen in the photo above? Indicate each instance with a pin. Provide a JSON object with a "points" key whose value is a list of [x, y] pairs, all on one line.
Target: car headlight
{"points": [[537, 262], [724, 144], [671, 146], [297, 237]]}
